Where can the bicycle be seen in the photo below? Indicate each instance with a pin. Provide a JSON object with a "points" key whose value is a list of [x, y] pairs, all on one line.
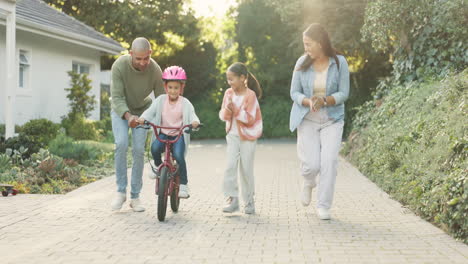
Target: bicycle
{"points": [[168, 181]]}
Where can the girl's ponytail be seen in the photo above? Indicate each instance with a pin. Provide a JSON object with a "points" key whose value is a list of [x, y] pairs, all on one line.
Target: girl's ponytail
{"points": [[253, 84], [239, 69]]}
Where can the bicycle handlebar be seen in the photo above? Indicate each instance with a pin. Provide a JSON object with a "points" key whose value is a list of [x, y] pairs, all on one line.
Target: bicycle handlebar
{"points": [[147, 125]]}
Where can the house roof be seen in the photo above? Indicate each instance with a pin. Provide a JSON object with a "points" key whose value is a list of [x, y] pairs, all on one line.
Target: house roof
{"points": [[37, 16]]}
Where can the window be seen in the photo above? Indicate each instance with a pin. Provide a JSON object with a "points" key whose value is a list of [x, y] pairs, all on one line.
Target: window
{"points": [[23, 69], [80, 68]]}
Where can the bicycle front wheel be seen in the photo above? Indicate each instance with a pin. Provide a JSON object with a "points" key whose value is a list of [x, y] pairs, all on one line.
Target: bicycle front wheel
{"points": [[175, 200], [162, 194]]}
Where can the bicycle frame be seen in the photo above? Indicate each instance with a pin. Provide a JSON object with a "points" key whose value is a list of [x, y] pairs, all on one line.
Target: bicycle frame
{"points": [[167, 183], [168, 160]]}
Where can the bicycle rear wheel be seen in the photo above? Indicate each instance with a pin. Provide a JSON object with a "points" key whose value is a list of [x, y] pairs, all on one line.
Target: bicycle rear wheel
{"points": [[175, 200], [162, 194]]}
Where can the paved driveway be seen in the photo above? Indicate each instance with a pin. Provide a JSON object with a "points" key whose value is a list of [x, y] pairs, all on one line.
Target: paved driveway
{"points": [[367, 226]]}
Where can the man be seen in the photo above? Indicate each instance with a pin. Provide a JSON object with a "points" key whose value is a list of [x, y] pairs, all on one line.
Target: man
{"points": [[134, 77]]}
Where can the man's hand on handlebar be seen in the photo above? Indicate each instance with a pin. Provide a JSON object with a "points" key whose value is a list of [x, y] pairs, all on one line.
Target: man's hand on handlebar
{"points": [[141, 121], [132, 119]]}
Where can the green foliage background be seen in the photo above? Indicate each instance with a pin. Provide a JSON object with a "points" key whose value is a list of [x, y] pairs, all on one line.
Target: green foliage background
{"points": [[415, 147]]}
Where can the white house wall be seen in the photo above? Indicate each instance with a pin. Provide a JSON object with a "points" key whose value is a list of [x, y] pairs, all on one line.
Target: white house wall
{"points": [[50, 60], [3, 89]]}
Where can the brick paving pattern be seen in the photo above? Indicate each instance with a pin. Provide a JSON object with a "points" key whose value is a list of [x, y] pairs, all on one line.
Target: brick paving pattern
{"points": [[367, 226]]}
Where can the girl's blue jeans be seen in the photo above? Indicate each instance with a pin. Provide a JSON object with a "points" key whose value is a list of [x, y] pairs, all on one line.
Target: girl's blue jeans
{"points": [[178, 151]]}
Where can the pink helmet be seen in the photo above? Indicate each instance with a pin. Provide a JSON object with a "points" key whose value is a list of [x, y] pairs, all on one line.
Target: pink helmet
{"points": [[174, 73]]}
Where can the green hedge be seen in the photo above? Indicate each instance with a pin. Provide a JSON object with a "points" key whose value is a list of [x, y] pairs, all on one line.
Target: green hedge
{"points": [[414, 145]]}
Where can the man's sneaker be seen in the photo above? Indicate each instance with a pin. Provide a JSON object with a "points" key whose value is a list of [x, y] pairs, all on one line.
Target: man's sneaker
{"points": [[323, 214], [232, 205], [155, 174], [118, 201], [184, 191], [135, 204], [306, 194], [250, 207]]}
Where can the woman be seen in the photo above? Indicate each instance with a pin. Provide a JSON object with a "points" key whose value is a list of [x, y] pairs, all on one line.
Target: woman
{"points": [[319, 88]]}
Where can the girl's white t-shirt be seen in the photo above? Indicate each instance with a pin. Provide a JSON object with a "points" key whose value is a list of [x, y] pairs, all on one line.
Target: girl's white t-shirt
{"points": [[237, 101]]}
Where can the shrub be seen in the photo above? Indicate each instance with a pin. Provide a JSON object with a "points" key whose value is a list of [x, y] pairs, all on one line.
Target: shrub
{"points": [[15, 143], [275, 114], [415, 147], [5, 162], [80, 128], [42, 130], [207, 111], [65, 147], [80, 102]]}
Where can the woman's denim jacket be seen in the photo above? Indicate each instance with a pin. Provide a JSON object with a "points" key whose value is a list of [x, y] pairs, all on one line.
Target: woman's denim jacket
{"points": [[301, 87]]}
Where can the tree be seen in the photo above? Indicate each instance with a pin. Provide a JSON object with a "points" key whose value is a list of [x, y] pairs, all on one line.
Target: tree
{"points": [[424, 38], [126, 20], [263, 47], [173, 32]]}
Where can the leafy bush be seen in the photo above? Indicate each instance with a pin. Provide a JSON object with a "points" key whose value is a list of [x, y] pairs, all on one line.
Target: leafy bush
{"points": [[104, 127], [207, 110], [65, 147], [5, 162], [275, 114], [15, 143], [80, 128], [42, 130], [415, 147]]}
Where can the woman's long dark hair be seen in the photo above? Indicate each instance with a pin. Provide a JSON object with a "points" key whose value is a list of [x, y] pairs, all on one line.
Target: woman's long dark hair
{"points": [[239, 69], [318, 33]]}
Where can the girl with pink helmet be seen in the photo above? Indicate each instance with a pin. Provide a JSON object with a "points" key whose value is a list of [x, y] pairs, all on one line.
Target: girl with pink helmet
{"points": [[172, 110]]}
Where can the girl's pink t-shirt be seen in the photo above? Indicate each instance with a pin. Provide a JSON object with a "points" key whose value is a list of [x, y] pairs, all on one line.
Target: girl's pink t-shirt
{"points": [[172, 116]]}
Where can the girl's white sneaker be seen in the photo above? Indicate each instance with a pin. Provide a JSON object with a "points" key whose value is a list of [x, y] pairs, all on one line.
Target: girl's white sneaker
{"points": [[232, 205], [250, 208], [184, 191]]}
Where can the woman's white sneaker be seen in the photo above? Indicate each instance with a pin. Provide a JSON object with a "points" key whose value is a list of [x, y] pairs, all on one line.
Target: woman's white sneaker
{"points": [[323, 214], [306, 195]]}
